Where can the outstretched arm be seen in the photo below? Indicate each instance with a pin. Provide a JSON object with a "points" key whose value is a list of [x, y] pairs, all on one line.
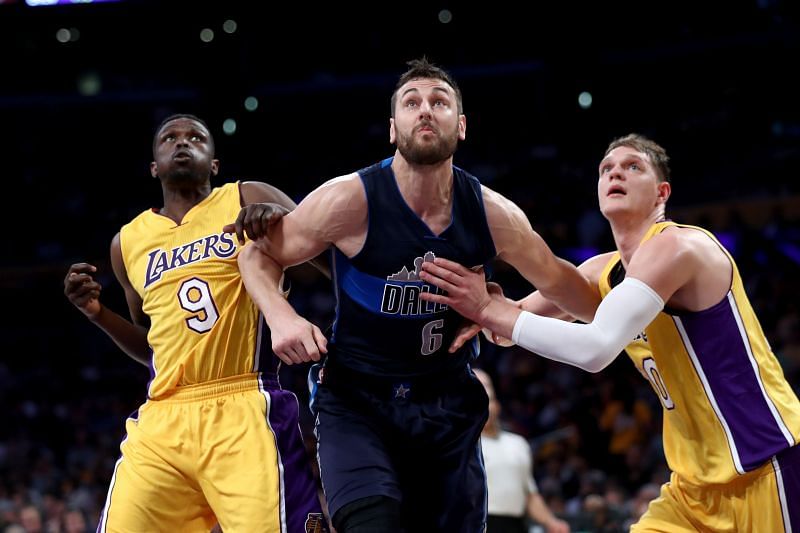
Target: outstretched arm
{"points": [[558, 280], [84, 292], [537, 304], [657, 270], [621, 316]]}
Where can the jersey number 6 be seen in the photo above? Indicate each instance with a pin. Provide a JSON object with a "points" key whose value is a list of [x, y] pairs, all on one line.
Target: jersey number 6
{"points": [[431, 341]]}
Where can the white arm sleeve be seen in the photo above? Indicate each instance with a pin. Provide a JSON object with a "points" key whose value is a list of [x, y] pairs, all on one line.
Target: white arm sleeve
{"points": [[621, 316]]}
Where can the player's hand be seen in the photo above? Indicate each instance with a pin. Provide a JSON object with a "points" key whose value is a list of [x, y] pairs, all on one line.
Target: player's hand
{"points": [[465, 289], [465, 332], [254, 220], [82, 290], [496, 292], [469, 329], [494, 338], [296, 340]]}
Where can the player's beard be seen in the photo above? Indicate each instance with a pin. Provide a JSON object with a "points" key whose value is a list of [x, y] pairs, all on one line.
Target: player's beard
{"points": [[186, 175], [429, 153]]}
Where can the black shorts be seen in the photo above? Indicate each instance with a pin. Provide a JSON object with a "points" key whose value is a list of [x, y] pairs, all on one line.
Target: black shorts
{"points": [[417, 441]]}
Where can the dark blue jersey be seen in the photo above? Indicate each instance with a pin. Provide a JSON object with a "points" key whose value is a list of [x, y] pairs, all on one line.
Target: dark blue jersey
{"points": [[382, 327]]}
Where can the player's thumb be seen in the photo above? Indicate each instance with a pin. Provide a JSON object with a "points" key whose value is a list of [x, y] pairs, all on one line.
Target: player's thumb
{"points": [[321, 340], [464, 334]]}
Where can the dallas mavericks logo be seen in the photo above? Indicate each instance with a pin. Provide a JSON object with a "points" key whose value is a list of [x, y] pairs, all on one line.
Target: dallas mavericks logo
{"points": [[405, 275], [160, 261], [403, 297]]}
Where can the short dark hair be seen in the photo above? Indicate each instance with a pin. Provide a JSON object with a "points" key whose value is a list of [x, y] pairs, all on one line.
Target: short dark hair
{"points": [[658, 156], [188, 116], [422, 68]]}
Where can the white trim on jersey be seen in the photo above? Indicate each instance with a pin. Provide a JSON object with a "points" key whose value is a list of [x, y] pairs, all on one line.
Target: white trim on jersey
{"points": [[746, 341], [259, 338], [709, 393]]}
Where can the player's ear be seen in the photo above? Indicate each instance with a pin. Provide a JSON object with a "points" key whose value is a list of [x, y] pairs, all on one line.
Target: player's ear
{"points": [[154, 169], [392, 134], [214, 167], [462, 127], [664, 192]]}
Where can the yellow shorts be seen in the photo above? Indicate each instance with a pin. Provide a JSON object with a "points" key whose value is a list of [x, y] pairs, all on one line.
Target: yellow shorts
{"points": [[227, 451], [766, 499]]}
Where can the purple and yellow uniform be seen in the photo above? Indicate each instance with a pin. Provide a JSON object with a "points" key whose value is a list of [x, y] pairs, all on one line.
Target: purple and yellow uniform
{"points": [[731, 420], [217, 438]]}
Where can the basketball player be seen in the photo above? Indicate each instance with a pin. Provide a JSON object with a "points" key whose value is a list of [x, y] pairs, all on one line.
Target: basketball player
{"points": [[731, 421], [217, 439], [398, 418]]}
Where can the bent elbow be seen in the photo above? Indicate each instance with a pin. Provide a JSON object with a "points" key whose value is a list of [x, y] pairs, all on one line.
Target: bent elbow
{"points": [[250, 256], [599, 359], [594, 367]]}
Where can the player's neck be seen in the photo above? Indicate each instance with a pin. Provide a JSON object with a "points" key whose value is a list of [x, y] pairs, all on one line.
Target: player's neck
{"points": [[178, 201], [629, 230], [425, 188]]}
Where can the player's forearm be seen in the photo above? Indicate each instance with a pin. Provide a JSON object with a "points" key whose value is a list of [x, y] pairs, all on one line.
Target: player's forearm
{"points": [[572, 292], [130, 338], [537, 304], [262, 277], [622, 315]]}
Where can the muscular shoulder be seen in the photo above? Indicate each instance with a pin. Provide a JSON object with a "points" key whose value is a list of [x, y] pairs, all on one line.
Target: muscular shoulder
{"points": [[678, 245], [336, 208], [685, 266], [498, 208], [507, 222], [339, 196]]}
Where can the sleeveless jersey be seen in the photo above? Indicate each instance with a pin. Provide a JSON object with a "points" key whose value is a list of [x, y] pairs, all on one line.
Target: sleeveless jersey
{"points": [[382, 327], [727, 406], [204, 326]]}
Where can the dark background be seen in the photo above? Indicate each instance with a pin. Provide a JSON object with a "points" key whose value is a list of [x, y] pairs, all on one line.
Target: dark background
{"points": [[713, 82]]}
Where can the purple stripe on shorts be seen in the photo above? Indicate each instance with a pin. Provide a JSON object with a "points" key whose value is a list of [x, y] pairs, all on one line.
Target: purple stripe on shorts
{"points": [[300, 486]]}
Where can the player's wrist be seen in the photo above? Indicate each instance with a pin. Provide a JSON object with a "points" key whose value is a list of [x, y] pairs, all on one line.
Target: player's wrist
{"points": [[278, 309], [94, 316], [493, 317]]}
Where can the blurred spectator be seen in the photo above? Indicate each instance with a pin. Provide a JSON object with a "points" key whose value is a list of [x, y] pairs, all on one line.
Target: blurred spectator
{"points": [[513, 494]]}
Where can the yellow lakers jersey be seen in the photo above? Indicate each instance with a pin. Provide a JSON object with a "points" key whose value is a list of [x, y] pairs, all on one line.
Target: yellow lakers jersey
{"points": [[727, 406], [204, 326]]}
